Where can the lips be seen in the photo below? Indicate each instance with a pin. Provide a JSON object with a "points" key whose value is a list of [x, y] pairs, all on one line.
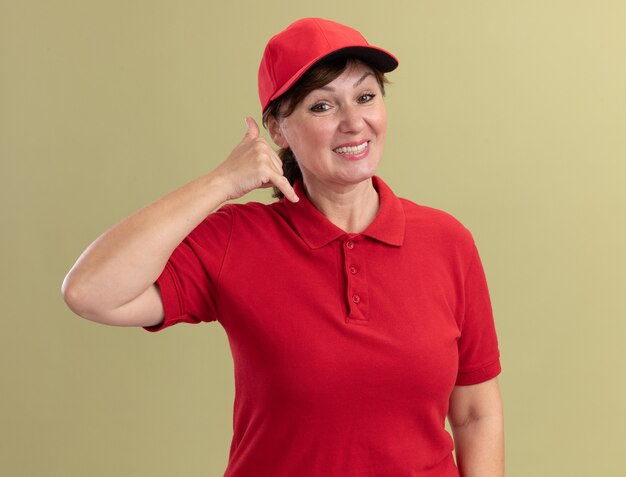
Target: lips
{"points": [[352, 149]]}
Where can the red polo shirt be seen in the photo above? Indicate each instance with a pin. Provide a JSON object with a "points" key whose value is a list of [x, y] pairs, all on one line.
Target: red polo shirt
{"points": [[346, 347]]}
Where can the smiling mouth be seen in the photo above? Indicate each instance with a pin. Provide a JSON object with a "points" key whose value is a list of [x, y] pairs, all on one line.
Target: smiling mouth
{"points": [[352, 149]]}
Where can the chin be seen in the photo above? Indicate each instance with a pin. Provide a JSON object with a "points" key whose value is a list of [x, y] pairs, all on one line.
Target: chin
{"points": [[356, 177]]}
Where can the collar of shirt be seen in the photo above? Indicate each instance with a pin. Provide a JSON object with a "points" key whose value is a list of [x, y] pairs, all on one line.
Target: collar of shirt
{"points": [[316, 230]]}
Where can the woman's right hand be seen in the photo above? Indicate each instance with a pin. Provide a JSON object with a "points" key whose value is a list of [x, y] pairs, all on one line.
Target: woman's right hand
{"points": [[113, 281], [253, 164]]}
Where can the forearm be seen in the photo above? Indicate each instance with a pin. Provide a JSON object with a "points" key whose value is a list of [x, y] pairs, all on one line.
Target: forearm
{"points": [[112, 281], [479, 446], [128, 258]]}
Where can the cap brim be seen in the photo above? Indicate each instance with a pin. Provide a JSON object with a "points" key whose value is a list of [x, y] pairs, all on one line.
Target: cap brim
{"points": [[381, 59]]}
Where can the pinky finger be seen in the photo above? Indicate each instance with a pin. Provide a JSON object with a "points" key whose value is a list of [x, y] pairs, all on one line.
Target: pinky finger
{"points": [[277, 163], [285, 187]]}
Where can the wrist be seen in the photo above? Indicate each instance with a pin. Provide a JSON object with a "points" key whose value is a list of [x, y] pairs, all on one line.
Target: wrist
{"points": [[217, 186]]}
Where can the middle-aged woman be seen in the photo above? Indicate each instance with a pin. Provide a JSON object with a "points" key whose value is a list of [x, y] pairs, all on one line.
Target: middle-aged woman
{"points": [[358, 321]]}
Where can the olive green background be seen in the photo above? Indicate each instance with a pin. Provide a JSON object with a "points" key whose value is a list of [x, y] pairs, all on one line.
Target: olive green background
{"points": [[509, 115]]}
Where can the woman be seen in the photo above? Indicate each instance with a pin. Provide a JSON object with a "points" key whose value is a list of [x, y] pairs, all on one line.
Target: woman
{"points": [[357, 320]]}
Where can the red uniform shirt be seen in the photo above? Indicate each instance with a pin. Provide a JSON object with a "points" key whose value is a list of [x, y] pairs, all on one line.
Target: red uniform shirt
{"points": [[346, 347]]}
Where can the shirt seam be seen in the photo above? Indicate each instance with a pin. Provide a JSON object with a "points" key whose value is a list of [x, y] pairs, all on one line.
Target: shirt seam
{"points": [[177, 288], [478, 368], [229, 211], [465, 278]]}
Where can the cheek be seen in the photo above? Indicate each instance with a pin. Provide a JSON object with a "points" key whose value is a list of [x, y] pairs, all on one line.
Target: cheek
{"points": [[381, 122], [309, 139], [381, 128]]}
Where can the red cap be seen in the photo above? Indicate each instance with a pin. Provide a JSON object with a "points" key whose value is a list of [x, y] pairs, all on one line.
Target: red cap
{"points": [[290, 53]]}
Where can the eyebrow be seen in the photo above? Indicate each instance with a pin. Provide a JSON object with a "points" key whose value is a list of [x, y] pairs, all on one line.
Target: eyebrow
{"points": [[369, 73], [357, 83]]}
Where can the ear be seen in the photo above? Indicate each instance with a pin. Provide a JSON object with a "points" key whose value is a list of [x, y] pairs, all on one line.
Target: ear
{"points": [[276, 133]]}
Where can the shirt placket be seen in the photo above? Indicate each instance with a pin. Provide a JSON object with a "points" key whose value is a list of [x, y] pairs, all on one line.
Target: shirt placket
{"points": [[354, 265]]}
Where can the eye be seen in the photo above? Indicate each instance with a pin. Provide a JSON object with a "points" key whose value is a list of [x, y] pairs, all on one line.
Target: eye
{"points": [[366, 97], [320, 107]]}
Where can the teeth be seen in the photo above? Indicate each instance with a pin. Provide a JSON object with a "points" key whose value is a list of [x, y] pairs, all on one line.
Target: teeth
{"points": [[351, 149]]}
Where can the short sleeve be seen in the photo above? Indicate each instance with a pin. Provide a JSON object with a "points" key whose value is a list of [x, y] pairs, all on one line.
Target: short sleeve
{"points": [[189, 282], [479, 356]]}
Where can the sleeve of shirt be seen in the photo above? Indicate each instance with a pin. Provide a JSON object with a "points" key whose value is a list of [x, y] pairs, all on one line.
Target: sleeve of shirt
{"points": [[189, 281], [479, 356]]}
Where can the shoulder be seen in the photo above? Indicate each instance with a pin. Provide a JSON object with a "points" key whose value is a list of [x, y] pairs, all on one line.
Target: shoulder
{"points": [[233, 215], [251, 210], [440, 236], [254, 217], [429, 217]]}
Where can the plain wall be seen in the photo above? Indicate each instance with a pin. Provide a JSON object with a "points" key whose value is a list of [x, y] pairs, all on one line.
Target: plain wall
{"points": [[509, 115]]}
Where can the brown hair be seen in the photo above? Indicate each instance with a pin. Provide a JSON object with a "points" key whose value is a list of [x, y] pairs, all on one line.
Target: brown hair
{"points": [[316, 77]]}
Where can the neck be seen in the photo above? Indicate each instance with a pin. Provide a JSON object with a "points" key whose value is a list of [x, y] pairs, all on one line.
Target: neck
{"points": [[351, 208]]}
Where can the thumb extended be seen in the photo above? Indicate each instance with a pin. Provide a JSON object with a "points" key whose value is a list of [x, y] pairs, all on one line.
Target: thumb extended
{"points": [[253, 129]]}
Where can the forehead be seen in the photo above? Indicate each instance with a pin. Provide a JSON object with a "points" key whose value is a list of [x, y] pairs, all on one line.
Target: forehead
{"points": [[354, 73], [353, 69], [352, 76]]}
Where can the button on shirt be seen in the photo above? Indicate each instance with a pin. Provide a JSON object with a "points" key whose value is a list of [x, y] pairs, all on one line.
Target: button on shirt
{"points": [[346, 347]]}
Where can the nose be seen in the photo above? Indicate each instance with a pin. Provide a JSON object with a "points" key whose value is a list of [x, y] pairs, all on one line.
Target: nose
{"points": [[352, 119]]}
